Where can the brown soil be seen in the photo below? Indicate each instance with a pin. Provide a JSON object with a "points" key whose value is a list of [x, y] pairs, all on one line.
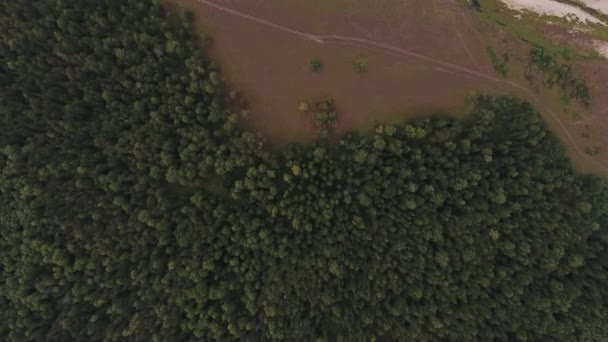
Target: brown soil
{"points": [[270, 66]]}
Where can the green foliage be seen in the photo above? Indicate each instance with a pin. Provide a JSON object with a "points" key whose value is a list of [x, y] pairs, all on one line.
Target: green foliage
{"points": [[362, 64], [476, 5], [593, 150], [501, 64], [315, 65], [134, 208], [325, 116], [559, 74]]}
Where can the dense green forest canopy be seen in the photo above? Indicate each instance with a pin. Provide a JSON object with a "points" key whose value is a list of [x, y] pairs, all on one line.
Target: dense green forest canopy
{"points": [[134, 207]]}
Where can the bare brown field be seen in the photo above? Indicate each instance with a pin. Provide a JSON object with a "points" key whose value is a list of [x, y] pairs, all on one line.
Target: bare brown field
{"points": [[270, 66]]}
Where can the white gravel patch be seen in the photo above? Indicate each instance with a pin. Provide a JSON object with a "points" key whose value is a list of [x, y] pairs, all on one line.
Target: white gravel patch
{"points": [[554, 8], [601, 47], [600, 5]]}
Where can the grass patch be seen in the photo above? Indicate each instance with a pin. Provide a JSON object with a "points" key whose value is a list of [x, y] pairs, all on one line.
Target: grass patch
{"points": [[501, 64], [525, 28], [558, 74], [593, 150], [564, 99]]}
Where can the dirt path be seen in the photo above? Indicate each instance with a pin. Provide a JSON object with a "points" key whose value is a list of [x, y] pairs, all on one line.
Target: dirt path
{"points": [[366, 43]]}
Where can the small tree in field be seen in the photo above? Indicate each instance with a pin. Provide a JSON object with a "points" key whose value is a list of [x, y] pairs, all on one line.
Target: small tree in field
{"points": [[315, 65], [362, 64]]}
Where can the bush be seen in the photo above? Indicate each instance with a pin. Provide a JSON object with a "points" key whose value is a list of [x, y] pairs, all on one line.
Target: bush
{"points": [[362, 64], [315, 65], [559, 74], [325, 116], [593, 150], [500, 64]]}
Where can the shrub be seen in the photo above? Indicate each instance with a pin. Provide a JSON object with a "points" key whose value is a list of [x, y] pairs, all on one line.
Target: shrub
{"points": [[559, 74], [362, 64], [315, 65], [500, 64], [325, 116]]}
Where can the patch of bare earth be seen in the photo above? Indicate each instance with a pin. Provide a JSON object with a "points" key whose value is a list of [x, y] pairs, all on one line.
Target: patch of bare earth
{"points": [[562, 36], [271, 66]]}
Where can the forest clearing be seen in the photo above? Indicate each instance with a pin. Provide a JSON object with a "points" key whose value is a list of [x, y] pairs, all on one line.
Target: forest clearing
{"points": [[270, 67]]}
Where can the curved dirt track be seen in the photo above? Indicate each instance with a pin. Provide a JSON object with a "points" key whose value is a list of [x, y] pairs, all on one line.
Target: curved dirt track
{"points": [[366, 43]]}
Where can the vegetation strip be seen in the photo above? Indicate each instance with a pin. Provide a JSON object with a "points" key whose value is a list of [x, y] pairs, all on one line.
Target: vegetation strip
{"points": [[560, 74]]}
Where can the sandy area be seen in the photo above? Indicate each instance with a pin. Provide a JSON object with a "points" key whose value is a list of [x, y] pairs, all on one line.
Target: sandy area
{"points": [[601, 47], [553, 8], [600, 5]]}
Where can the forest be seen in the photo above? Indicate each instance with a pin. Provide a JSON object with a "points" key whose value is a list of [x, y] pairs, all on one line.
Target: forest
{"points": [[136, 208]]}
